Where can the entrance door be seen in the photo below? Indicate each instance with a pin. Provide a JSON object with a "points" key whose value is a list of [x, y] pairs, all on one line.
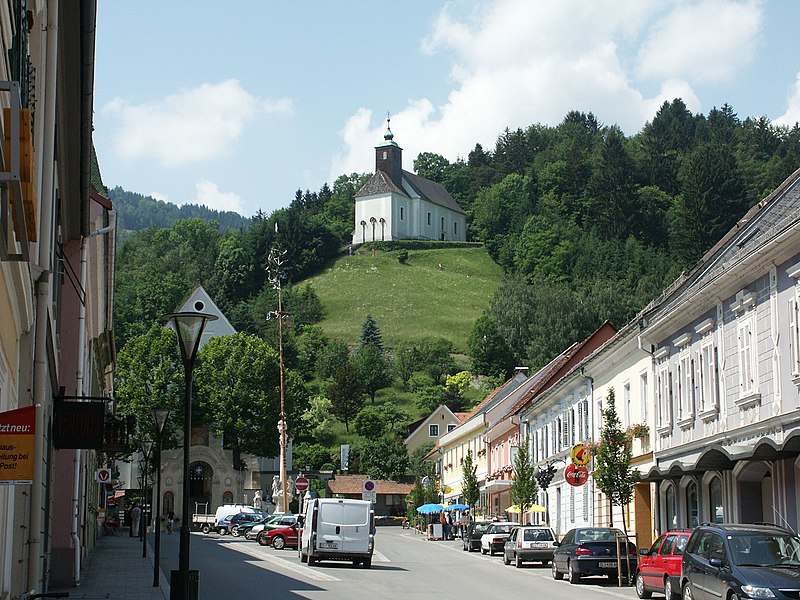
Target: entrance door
{"points": [[755, 494], [200, 477]]}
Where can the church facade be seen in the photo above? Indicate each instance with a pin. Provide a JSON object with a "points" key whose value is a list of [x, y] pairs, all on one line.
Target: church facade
{"points": [[398, 205]]}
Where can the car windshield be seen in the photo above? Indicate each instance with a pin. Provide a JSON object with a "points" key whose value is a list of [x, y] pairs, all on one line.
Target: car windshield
{"points": [[500, 529], [538, 535], [765, 549]]}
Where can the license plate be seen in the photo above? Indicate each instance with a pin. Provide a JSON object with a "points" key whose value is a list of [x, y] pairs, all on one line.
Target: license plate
{"points": [[539, 545], [331, 545], [608, 565]]}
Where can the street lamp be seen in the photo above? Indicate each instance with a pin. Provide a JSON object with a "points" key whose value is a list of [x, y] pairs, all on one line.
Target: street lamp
{"points": [[160, 416], [147, 446], [189, 328]]}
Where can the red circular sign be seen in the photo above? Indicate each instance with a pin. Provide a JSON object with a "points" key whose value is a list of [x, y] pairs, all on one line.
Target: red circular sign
{"points": [[576, 476], [301, 484]]}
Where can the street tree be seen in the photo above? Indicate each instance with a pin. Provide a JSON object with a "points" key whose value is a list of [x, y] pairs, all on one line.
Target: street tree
{"points": [[613, 474], [524, 489], [382, 457], [470, 487]]}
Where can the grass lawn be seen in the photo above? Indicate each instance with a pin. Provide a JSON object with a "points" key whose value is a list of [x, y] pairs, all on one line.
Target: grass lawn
{"points": [[409, 301]]}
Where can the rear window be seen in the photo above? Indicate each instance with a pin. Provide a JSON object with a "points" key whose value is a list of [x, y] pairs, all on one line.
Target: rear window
{"points": [[681, 545], [481, 528], [343, 514], [596, 535], [538, 535], [500, 529]]}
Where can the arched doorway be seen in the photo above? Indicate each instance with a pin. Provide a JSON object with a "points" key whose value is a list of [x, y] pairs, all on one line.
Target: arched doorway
{"points": [[755, 493], [201, 476]]}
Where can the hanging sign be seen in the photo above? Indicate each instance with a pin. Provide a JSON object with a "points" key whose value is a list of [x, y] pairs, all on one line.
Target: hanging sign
{"points": [[78, 425], [17, 435], [576, 476], [580, 456]]}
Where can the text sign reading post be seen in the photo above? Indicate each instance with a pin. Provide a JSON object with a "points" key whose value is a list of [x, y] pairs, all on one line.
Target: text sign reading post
{"points": [[17, 434]]}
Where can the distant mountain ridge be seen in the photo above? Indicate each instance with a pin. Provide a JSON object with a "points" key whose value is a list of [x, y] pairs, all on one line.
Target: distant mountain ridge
{"points": [[137, 212]]}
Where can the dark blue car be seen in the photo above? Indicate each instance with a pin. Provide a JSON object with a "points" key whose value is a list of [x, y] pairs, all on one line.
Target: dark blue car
{"points": [[593, 551], [733, 562]]}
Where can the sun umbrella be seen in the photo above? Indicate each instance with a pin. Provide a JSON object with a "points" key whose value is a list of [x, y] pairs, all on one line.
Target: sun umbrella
{"points": [[456, 507], [429, 509], [534, 508]]}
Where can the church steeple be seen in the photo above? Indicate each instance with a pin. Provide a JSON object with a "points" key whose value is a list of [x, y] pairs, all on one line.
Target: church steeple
{"points": [[389, 156]]}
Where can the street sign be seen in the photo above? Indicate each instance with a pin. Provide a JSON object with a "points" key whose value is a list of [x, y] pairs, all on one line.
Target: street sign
{"points": [[104, 475], [576, 476], [369, 491], [579, 455], [301, 484]]}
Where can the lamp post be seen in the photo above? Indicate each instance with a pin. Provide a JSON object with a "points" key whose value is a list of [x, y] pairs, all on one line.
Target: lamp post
{"points": [[189, 328], [160, 416], [277, 263], [147, 446]]}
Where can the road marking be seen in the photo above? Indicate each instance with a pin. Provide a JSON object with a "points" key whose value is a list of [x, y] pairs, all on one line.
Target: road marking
{"points": [[379, 557], [281, 563]]}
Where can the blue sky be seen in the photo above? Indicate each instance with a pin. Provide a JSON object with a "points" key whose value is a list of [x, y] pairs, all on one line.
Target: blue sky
{"points": [[237, 105]]}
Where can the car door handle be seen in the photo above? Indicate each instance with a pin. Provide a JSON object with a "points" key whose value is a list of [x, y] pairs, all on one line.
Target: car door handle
{"points": [[337, 530]]}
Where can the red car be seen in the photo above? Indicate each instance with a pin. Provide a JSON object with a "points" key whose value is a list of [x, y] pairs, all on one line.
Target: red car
{"points": [[279, 538], [660, 566]]}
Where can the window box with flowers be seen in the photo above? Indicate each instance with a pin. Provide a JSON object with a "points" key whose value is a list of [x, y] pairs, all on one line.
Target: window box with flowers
{"points": [[639, 430]]}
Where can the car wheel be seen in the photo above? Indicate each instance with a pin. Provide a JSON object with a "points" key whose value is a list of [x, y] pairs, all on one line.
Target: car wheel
{"points": [[686, 593], [544, 562], [221, 530], [312, 560], [517, 561], [262, 540], [235, 532], [506, 560], [574, 576], [278, 542], [367, 563], [249, 535], [482, 550], [733, 597], [205, 529], [556, 575], [640, 591], [303, 558], [669, 593]]}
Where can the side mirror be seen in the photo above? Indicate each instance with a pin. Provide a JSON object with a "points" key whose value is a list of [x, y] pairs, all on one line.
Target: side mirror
{"points": [[644, 551], [556, 543], [715, 562]]}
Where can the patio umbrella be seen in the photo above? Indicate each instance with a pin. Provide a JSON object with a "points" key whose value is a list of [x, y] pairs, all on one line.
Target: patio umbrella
{"points": [[429, 509], [450, 507], [533, 508]]}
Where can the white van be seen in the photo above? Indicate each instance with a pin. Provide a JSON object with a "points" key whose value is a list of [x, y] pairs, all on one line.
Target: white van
{"points": [[233, 509], [338, 529]]}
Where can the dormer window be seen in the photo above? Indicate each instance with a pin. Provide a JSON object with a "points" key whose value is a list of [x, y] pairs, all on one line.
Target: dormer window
{"points": [[385, 155]]}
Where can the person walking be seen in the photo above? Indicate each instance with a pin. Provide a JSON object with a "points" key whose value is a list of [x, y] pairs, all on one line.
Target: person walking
{"points": [[465, 521], [170, 521], [136, 514], [445, 525]]}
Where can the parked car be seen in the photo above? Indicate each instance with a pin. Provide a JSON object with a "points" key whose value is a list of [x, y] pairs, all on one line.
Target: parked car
{"points": [[224, 524], [240, 519], [660, 566], [274, 521], [529, 543], [494, 538], [243, 528], [741, 561], [592, 551], [472, 539], [279, 538], [338, 529]]}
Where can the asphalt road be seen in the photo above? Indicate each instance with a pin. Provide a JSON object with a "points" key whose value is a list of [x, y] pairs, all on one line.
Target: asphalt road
{"points": [[405, 565]]}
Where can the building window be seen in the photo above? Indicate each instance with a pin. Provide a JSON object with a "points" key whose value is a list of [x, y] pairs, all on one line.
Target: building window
{"points": [[433, 430], [455, 228], [685, 384], [747, 355], [692, 507], [626, 403], [450, 428], [227, 498], [708, 377], [669, 508], [794, 332], [402, 213], [643, 392], [429, 219], [664, 395], [442, 223], [715, 501], [168, 501]]}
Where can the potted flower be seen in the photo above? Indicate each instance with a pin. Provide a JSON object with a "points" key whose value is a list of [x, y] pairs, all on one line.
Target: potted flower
{"points": [[639, 430]]}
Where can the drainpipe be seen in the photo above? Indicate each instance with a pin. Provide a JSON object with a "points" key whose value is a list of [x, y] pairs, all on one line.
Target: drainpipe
{"points": [[591, 424]]}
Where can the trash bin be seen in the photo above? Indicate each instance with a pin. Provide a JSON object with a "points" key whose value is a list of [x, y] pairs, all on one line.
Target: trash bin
{"points": [[176, 585]]}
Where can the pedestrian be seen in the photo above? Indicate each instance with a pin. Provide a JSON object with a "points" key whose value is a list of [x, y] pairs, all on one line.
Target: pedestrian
{"points": [[465, 520], [445, 525], [136, 514], [170, 521], [450, 526]]}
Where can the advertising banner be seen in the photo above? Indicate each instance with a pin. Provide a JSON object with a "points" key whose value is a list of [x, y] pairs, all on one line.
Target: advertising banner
{"points": [[17, 435]]}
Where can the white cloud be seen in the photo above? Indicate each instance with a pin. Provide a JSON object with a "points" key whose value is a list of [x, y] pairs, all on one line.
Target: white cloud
{"points": [[704, 41], [191, 125], [516, 62], [792, 114], [207, 194], [159, 196]]}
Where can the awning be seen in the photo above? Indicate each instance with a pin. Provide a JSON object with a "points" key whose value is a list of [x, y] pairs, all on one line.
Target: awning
{"points": [[498, 485]]}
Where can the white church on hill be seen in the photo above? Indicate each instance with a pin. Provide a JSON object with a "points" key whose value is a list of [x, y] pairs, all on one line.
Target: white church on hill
{"points": [[397, 205]]}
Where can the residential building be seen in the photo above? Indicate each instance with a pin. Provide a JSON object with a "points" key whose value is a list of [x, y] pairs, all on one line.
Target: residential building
{"points": [[398, 205], [429, 429]]}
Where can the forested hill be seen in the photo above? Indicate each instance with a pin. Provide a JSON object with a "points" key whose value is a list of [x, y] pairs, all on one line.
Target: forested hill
{"points": [[137, 212]]}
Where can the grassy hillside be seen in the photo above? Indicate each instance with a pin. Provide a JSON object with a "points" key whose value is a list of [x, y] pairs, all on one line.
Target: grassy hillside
{"points": [[409, 301]]}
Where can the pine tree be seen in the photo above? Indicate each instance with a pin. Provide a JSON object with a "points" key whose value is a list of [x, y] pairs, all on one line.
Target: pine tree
{"points": [[524, 489], [370, 334]]}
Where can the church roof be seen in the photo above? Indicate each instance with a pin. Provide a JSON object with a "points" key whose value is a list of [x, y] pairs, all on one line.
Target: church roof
{"points": [[381, 183]]}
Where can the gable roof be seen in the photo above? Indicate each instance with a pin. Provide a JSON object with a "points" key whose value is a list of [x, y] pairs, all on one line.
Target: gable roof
{"points": [[220, 327], [352, 484], [431, 191], [379, 183], [420, 423]]}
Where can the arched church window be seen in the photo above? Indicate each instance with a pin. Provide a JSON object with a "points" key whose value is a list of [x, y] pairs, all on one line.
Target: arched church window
{"points": [[715, 500]]}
